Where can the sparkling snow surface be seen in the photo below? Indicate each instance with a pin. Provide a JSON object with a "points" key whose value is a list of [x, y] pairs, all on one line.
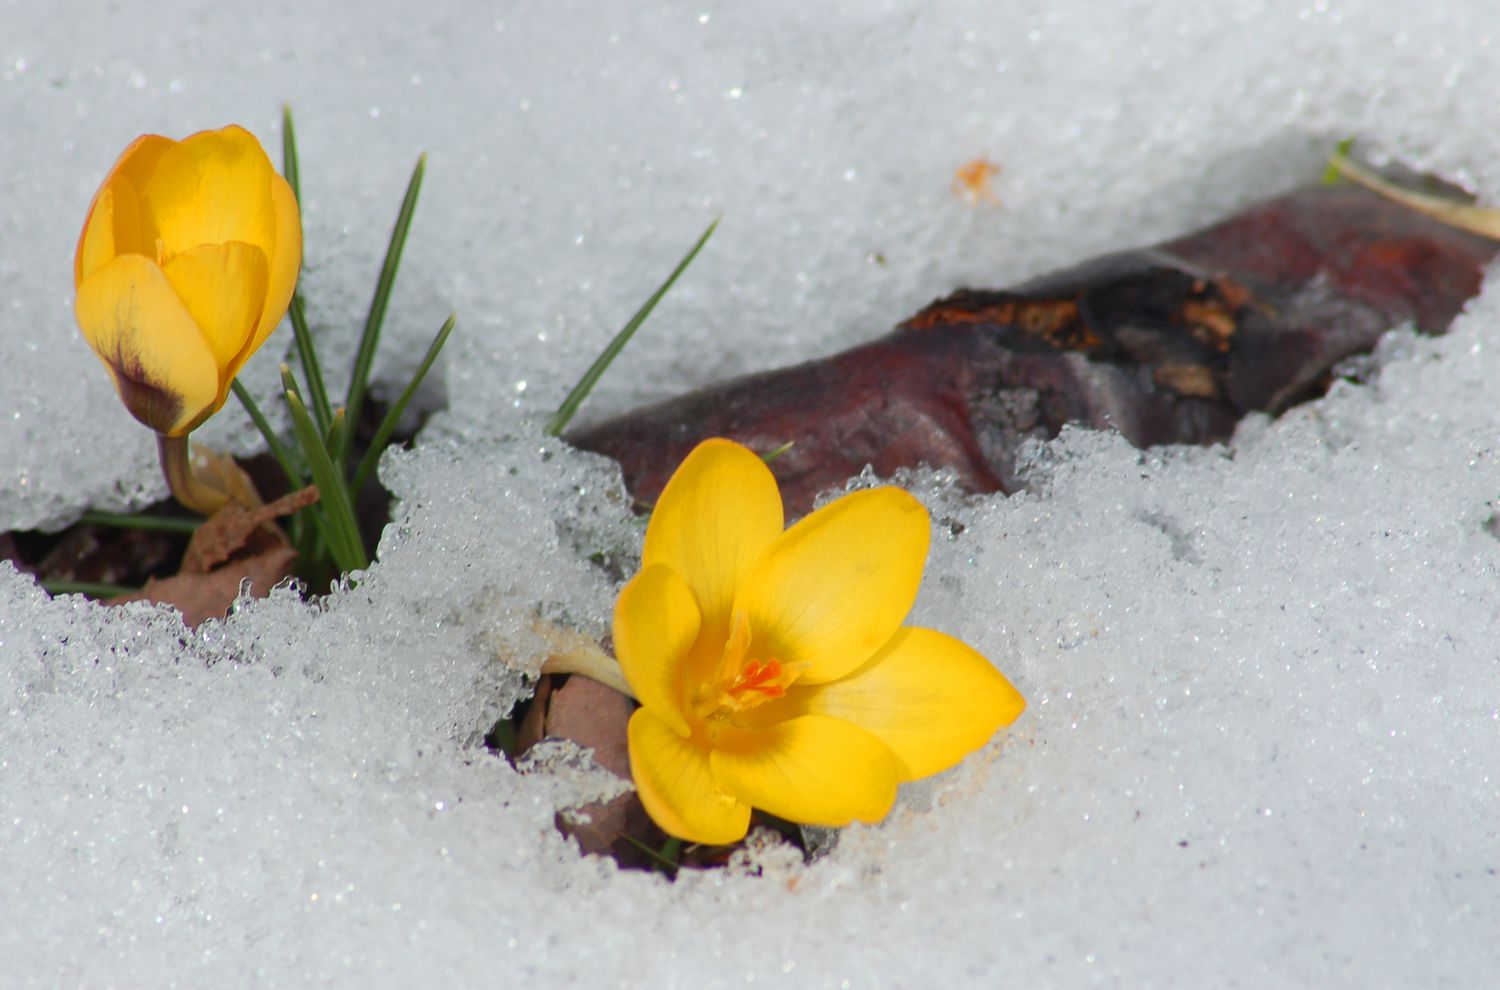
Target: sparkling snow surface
{"points": [[1263, 741]]}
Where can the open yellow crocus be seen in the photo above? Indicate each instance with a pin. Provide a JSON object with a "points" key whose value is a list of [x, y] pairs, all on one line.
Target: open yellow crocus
{"points": [[186, 264], [772, 666]]}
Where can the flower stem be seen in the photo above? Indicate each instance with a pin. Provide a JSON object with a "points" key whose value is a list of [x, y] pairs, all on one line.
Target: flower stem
{"points": [[187, 487]]}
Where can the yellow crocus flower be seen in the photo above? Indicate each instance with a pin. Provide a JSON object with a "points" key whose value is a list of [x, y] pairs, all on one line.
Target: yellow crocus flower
{"points": [[186, 264], [772, 666]]}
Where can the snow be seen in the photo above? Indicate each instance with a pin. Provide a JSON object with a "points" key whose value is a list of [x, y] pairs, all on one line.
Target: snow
{"points": [[1263, 740]]}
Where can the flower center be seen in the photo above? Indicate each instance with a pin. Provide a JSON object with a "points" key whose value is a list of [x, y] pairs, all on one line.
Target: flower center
{"points": [[758, 681], [744, 682]]}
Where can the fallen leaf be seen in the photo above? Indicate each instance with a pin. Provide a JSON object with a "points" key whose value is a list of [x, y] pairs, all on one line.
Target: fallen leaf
{"points": [[233, 547]]}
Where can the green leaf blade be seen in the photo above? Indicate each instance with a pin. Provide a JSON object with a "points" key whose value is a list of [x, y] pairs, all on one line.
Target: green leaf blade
{"points": [[283, 456], [570, 405], [339, 527], [393, 415], [370, 338], [289, 168]]}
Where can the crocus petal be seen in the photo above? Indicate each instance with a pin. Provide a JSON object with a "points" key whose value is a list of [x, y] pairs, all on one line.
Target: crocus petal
{"points": [[222, 286], [834, 588], [814, 770], [656, 622], [96, 245], [138, 161], [117, 229], [211, 188], [716, 516], [929, 697], [676, 787], [165, 373], [286, 262]]}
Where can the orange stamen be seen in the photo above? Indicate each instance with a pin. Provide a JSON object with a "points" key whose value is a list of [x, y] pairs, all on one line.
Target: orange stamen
{"points": [[743, 683], [761, 680]]}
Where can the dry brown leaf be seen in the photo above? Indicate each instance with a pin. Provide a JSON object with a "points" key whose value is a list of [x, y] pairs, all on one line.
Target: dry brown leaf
{"points": [[234, 545], [594, 716]]}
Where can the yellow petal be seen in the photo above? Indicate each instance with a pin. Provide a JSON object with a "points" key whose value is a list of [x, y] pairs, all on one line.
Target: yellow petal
{"points": [[96, 245], [286, 262], [716, 516], [139, 159], [837, 585], [674, 783], [115, 228], [223, 286], [165, 373], [929, 697], [814, 770], [211, 188], [656, 623]]}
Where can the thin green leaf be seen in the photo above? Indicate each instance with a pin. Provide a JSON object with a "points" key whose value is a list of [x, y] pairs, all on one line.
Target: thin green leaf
{"points": [[359, 382], [334, 435], [393, 415], [288, 466], [138, 520], [661, 862], [504, 738], [339, 527], [289, 151], [776, 452], [569, 407], [92, 589], [1331, 174], [316, 392], [307, 355]]}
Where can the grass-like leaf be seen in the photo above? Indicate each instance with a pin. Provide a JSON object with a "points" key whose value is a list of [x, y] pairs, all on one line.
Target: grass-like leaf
{"points": [[137, 520], [1331, 173], [665, 863], [289, 168], [317, 394], [359, 381], [569, 407], [333, 437], [339, 528], [393, 415], [777, 451], [278, 450], [90, 588]]}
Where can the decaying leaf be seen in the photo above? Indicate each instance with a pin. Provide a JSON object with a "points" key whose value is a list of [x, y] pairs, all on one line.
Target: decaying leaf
{"points": [[594, 716], [234, 546], [1166, 345]]}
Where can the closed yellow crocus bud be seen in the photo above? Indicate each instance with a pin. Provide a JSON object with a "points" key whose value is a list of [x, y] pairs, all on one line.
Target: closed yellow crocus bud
{"points": [[186, 264]]}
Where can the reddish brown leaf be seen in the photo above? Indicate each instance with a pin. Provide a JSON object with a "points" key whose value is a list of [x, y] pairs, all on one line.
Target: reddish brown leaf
{"points": [[1169, 344], [235, 545], [595, 716]]}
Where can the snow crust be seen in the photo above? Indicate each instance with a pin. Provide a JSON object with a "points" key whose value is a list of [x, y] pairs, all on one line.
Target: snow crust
{"points": [[1263, 741]]}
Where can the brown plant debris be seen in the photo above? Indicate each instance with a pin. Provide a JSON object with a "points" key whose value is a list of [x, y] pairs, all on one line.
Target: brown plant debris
{"points": [[236, 545]]}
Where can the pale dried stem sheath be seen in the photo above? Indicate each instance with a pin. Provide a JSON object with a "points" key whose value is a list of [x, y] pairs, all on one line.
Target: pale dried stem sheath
{"points": [[1465, 216], [208, 485], [574, 653]]}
